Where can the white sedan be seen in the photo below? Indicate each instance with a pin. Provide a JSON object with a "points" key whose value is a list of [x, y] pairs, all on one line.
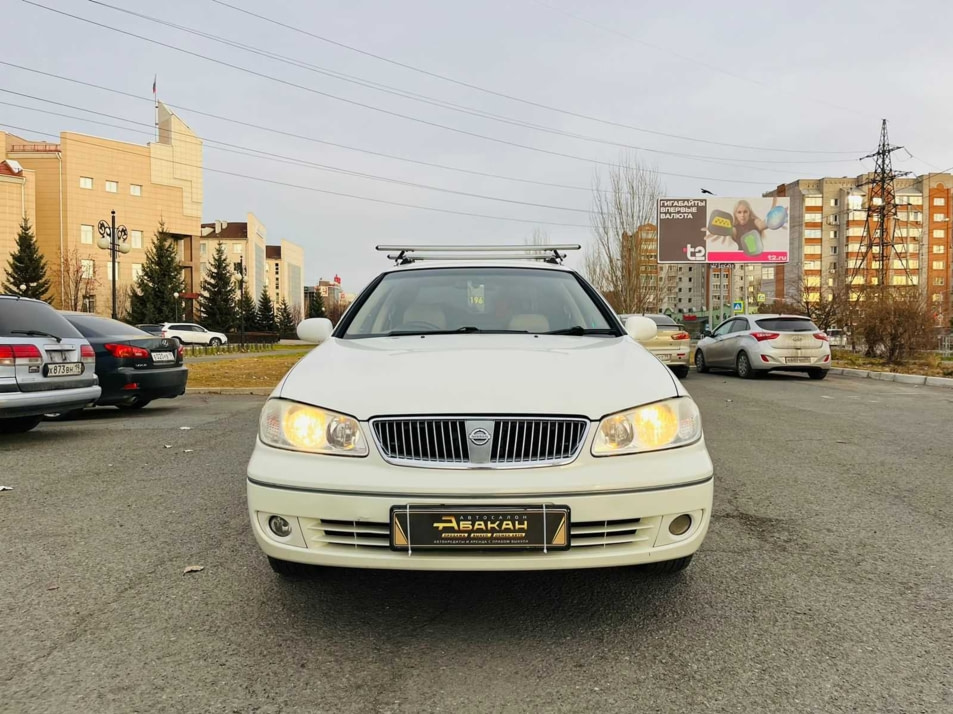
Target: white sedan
{"points": [[468, 415]]}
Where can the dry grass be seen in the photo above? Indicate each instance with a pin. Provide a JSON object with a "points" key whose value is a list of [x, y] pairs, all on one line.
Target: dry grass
{"points": [[258, 372], [928, 364]]}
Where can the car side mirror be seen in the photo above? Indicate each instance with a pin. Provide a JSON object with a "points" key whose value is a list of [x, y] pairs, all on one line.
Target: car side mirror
{"points": [[706, 332], [315, 329], [641, 329]]}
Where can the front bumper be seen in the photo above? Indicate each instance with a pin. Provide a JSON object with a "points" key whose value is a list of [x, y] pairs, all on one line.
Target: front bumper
{"points": [[21, 404], [339, 508], [163, 383]]}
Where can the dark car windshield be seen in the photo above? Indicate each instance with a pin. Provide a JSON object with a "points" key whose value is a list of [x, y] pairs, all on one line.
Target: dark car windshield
{"points": [[92, 326], [17, 316], [662, 320], [787, 324], [478, 299]]}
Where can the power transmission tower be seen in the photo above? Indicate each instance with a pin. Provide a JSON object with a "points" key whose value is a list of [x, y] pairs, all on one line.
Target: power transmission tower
{"points": [[880, 224]]}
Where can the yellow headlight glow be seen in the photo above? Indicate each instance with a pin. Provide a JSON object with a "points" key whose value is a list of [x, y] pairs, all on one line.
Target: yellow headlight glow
{"points": [[662, 425], [655, 425], [304, 427], [300, 427]]}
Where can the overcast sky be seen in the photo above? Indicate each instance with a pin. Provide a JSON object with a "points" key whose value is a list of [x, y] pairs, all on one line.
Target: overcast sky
{"points": [[809, 77]]}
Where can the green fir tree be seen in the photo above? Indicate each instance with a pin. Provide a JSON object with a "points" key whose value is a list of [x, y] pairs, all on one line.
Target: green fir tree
{"points": [[217, 301], [265, 314], [285, 322], [27, 267], [246, 308], [152, 299], [316, 305]]}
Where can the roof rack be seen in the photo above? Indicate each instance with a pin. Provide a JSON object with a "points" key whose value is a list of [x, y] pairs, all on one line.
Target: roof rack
{"points": [[406, 254]]}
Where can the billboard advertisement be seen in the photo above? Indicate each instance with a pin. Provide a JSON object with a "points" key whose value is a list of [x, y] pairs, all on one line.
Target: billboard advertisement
{"points": [[723, 230]]}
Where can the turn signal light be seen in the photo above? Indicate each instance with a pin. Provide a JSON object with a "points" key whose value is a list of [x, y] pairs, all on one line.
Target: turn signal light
{"points": [[127, 351], [762, 336]]}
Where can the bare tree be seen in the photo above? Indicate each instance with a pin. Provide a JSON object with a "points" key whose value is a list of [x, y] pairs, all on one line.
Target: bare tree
{"points": [[296, 314], [123, 300], [827, 308], [539, 237], [622, 260], [77, 280]]}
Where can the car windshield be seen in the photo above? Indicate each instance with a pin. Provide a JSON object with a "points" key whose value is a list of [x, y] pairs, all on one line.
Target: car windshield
{"points": [[787, 324], [662, 320], [19, 316], [478, 299], [91, 326]]}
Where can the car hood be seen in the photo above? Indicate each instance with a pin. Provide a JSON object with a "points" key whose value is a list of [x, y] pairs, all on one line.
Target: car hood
{"points": [[479, 374]]}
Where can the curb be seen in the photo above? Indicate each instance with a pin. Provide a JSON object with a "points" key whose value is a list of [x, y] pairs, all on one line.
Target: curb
{"points": [[917, 379], [255, 391]]}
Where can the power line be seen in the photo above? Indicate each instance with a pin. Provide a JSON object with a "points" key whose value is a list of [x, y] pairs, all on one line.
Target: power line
{"points": [[510, 96], [303, 137], [287, 184], [471, 111]]}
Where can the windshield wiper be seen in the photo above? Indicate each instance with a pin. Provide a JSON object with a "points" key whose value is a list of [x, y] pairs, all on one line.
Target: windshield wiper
{"points": [[466, 329], [579, 331], [35, 333]]}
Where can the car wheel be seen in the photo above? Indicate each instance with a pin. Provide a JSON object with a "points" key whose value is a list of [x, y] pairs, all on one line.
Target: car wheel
{"points": [[817, 373], [668, 567], [138, 404], [19, 425], [700, 364], [680, 372], [287, 569], [743, 367], [215, 342]]}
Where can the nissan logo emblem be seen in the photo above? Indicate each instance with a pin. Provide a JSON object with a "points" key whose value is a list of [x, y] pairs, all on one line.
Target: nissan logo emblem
{"points": [[478, 437]]}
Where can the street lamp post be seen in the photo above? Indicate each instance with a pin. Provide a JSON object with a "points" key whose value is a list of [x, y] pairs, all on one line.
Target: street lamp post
{"points": [[115, 243], [242, 272], [176, 296]]}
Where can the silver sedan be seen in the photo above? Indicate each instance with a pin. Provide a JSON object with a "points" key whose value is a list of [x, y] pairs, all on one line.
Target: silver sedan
{"points": [[753, 345]]}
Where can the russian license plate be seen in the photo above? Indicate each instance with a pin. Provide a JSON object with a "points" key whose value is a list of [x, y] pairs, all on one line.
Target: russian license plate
{"points": [[163, 357], [479, 527], [797, 360], [66, 369], [664, 358]]}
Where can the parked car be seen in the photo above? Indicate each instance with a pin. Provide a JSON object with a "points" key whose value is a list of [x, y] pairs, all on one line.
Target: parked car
{"points": [[672, 345], [470, 415], [188, 333], [134, 367], [152, 329], [45, 364], [753, 345]]}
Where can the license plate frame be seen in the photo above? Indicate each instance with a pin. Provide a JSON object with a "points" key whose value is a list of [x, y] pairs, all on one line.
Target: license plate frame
{"points": [[163, 357], [797, 360], [537, 528], [64, 369]]}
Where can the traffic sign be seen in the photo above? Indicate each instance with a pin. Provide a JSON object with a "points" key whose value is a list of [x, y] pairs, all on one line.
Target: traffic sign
{"points": [[762, 297], [738, 306]]}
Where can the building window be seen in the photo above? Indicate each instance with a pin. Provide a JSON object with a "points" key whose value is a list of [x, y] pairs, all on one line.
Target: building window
{"points": [[277, 268], [203, 248], [237, 249], [916, 200], [939, 217], [855, 231], [135, 189], [835, 202], [855, 202], [939, 233], [812, 233], [939, 249], [85, 182], [136, 271], [938, 201], [939, 281], [89, 269], [937, 297], [86, 235], [939, 264], [136, 238], [89, 303], [812, 249], [833, 235], [813, 200], [112, 187], [203, 268], [833, 250]]}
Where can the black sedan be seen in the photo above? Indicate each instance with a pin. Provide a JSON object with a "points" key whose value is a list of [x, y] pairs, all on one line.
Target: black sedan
{"points": [[133, 366]]}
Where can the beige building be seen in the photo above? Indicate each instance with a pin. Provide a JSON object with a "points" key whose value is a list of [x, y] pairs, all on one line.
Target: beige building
{"points": [[79, 180], [285, 269], [828, 217], [17, 199], [244, 243]]}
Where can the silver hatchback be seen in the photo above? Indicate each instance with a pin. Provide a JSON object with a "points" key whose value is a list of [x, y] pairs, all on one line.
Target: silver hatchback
{"points": [[46, 365], [753, 345]]}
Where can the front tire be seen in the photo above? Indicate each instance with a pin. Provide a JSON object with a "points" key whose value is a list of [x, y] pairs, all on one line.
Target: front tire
{"points": [[668, 567], [817, 373], [680, 372], [701, 365], [19, 425], [215, 342], [743, 367], [287, 569]]}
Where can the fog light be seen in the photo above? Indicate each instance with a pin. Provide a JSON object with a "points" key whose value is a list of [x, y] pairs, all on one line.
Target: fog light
{"points": [[281, 528], [678, 526]]}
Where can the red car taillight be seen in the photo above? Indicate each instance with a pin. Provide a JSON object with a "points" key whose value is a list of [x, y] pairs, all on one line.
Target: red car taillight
{"points": [[126, 351], [681, 336], [821, 336], [87, 353], [10, 354], [181, 350], [762, 336]]}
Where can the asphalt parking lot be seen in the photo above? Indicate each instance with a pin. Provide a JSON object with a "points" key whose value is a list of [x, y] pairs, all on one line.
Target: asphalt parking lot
{"points": [[825, 584]]}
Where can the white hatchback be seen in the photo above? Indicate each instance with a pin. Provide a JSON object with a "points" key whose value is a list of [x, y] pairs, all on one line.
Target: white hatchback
{"points": [[469, 415]]}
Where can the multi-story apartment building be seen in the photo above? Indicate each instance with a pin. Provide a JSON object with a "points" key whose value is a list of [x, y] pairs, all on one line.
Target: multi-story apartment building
{"points": [[244, 243], [81, 179], [829, 237], [683, 289], [285, 264], [17, 200]]}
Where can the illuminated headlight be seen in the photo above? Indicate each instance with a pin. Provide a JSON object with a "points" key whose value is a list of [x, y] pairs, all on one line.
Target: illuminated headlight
{"points": [[663, 425], [290, 425]]}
